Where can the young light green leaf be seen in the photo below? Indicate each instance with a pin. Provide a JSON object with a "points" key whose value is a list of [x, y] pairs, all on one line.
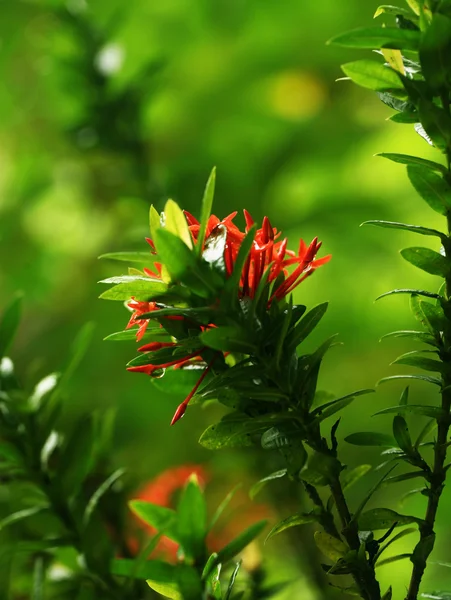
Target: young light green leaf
{"points": [[151, 569], [228, 338], [175, 222], [20, 515], [222, 507], [330, 408], [420, 336], [434, 190], [207, 203], [373, 75], [378, 37], [406, 227], [427, 260], [401, 434], [144, 289]]}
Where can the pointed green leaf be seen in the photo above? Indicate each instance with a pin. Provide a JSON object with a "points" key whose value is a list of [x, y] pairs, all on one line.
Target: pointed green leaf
{"points": [[415, 161], [401, 433], [228, 338], [434, 190], [99, 493], [144, 289], [331, 547], [232, 433], [260, 484], [207, 203], [406, 227], [383, 518], [378, 37], [373, 75], [330, 408], [77, 457], [414, 359], [370, 438], [420, 336], [292, 521], [369, 495], [240, 542], [392, 559], [409, 291], [20, 515], [192, 520], [129, 257], [306, 325], [425, 378], [222, 507], [151, 569], [427, 260], [162, 518], [175, 222], [417, 409]]}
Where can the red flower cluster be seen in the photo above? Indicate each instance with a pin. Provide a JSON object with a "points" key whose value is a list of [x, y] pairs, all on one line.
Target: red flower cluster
{"points": [[268, 257]]}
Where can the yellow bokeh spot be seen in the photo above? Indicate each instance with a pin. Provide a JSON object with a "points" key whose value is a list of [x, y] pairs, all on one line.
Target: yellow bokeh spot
{"points": [[296, 95]]}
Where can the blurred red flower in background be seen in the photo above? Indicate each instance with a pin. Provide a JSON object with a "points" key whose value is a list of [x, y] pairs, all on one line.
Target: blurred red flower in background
{"points": [[163, 490]]}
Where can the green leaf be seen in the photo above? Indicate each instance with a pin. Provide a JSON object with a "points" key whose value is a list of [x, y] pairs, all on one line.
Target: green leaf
{"points": [[261, 484], [239, 543], [348, 479], [222, 507], [305, 326], [394, 10], [407, 227], [144, 289], [404, 117], [331, 547], [409, 291], [427, 260], [189, 582], [175, 222], [232, 433], [129, 257], [370, 438], [162, 518], [379, 37], [9, 324], [425, 378], [184, 266], [415, 161], [438, 595], [420, 336], [228, 338], [232, 580], [435, 50], [153, 330], [434, 412], [20, 515], [373, 75], [99, 493], [292, 521], [426, 430], [38, 579], [395, 538], [434, 190], [392, 559], [412, 359], [192, 520], [151, 569], [404, 477], [207, 203], [401, 430], [326, 410], [388, 594], [373, 490], [77, 457]]}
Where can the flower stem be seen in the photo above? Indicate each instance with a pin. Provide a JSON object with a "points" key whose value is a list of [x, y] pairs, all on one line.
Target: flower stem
{"points": [[437, 477]]}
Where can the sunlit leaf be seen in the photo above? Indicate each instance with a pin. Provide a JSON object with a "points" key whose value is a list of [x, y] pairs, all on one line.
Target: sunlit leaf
{"points": [[260, 484], [373, 75], [207, 203], [292, 521], [378, 37], [330, 546]]}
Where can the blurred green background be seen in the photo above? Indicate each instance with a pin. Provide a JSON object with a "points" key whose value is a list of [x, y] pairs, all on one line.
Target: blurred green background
{"points": [[110, 106]]}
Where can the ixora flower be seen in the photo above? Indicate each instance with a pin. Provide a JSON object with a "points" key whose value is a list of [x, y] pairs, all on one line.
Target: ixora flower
{"points": [[205, 272]]}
